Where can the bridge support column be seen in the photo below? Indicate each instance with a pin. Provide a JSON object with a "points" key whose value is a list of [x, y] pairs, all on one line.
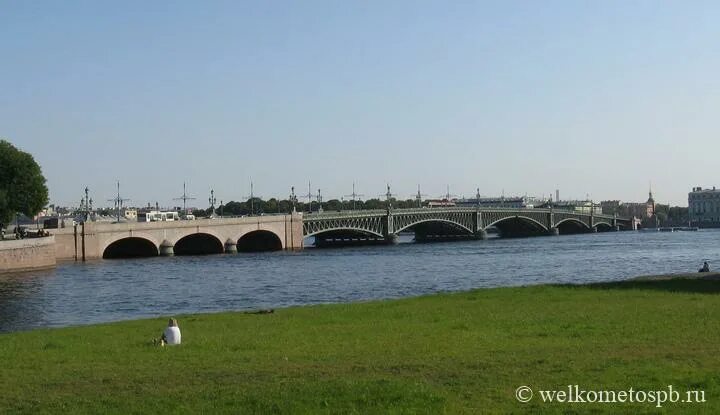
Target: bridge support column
{"points": [[594, 230], [554, 231], [166, 248], [230, 247], [391, 239], [481, 234], [615, 228]]}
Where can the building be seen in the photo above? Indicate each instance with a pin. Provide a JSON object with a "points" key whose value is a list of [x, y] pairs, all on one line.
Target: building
{"points": [[704, 207], [579, 206], [610, 207], [642, 210], [650, 206], [515, 202]]}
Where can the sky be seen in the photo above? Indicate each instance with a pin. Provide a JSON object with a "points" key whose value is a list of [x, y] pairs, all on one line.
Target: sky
{"points": [[597, 99]]}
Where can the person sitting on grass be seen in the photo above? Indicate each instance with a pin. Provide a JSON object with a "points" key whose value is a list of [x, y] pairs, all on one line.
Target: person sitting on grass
{"points": [[171, 335], [705, 267]]}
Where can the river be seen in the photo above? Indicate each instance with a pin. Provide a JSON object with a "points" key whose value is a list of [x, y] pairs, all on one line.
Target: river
{"points": [[111, 290]]}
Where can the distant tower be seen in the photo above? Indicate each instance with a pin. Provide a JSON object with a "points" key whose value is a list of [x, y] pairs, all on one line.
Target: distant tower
{"points": [[650, 204]]}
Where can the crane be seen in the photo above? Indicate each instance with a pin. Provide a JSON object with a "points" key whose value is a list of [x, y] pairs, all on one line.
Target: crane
{"points": [[184, 198], [118, 201], [354, 195]]}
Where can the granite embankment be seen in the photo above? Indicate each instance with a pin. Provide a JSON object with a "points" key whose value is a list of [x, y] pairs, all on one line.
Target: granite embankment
{"points": [[27, 254]]}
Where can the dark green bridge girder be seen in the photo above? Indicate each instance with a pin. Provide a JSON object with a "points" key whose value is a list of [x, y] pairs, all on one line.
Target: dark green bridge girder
{"points": [[464, 220]]}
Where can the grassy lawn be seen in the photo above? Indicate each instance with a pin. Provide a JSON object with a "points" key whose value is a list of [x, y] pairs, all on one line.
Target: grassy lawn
{"points": [[449, 353]]}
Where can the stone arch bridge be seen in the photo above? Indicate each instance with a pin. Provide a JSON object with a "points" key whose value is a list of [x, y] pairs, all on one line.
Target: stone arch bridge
{"points": [[383, 226], [94, 240]]}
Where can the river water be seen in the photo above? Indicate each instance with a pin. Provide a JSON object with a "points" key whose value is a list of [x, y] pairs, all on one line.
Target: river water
{"points": [[110, 290]]}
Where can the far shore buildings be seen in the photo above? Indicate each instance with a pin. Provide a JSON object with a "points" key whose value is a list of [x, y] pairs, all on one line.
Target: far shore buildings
{"points": [[642, 210], [704, 207]]}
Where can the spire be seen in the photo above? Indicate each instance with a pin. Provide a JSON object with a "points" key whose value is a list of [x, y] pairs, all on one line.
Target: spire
{"points": [[650, 196]]}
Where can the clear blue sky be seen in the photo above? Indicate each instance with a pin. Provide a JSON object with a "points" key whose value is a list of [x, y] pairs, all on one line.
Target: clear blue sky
{"points": [[592, 98]]}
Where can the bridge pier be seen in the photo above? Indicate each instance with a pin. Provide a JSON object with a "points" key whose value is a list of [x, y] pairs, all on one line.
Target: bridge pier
{"points": [[166, 248], [391, 239], [554, 231], [594, 230], [615, 228], [230, 247], [481, 234]]}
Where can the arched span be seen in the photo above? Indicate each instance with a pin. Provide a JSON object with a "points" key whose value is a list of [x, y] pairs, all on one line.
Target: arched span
{"points": [[345, 229], [198, 244], [259, 241], [518, 218], [572, 226], [518, 226], [454, 225], [603, 227], [132, 247], [574, 220]]}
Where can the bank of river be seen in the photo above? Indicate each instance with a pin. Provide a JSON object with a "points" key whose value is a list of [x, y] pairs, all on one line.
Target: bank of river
{"points": [[103, 291], [465, 352]]}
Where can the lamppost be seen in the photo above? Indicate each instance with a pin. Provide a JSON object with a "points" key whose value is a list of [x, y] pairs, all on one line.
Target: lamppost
{"points": [[388, 195], [293, 198], [211, 201]]}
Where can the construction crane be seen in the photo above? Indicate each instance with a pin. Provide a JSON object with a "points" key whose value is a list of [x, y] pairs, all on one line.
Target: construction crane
{"points": [[447, 196], [418, 197], [118, 201], [354, 196], [184, 198], [252, 198], [309, 197]]}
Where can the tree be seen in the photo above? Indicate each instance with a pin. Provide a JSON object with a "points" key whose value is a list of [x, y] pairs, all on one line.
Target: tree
{"points": [[22, 185]]}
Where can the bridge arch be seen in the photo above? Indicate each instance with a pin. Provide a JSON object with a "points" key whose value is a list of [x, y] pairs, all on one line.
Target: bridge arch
{"points": [[603, 227], [346, 229], [453, 224], [259, 241], [199, 243], [571, 226], [130, 247], [518, 226]]}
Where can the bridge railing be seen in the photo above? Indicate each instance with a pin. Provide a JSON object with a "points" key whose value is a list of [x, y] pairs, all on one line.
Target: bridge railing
{"points": [[344, 213], [455, 209]]}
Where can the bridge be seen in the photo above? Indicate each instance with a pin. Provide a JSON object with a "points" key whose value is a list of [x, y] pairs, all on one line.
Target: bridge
{"points": [[93, 240], [431, 224]]}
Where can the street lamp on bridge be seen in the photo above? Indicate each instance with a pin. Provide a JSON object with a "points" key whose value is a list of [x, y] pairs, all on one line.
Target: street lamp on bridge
{"points": [[211, 201], [293, 198]]}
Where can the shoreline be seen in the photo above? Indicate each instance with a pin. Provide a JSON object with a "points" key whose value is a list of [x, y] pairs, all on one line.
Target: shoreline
{"points": [[449, 352]]}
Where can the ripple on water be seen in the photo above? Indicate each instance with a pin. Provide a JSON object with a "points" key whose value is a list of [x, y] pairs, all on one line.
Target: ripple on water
{"points": [[100, 291]]}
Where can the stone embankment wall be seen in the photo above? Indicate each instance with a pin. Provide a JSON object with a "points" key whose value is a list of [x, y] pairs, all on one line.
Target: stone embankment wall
{"points": [[27, 254]]}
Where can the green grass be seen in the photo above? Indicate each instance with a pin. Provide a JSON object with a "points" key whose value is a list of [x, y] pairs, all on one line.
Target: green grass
{"points": [[449, 353]]}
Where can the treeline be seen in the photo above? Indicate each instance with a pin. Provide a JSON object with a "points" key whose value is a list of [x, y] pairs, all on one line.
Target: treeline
{"points": [[256, 206]]}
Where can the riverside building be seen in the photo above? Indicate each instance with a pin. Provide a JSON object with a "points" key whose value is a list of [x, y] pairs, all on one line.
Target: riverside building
{"points": [[704, 207]]}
